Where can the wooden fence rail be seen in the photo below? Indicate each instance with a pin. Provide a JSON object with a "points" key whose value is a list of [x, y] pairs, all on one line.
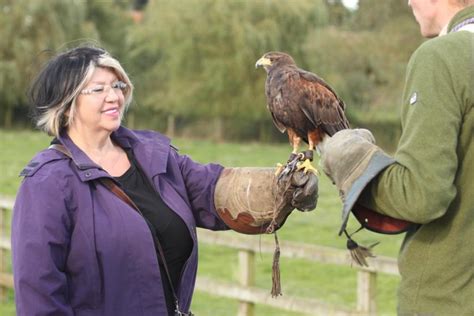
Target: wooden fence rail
{"points": [[245, 292], [248, 246], [6, 279]]}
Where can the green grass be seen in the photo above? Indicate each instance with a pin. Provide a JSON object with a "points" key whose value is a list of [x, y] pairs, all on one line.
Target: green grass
{"points": [[18, 147], [333, 284], [7, 308]]}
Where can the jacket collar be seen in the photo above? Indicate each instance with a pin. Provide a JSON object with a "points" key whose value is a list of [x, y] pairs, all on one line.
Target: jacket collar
{"points": [[86, 169], [150, 148], [461, 16]]}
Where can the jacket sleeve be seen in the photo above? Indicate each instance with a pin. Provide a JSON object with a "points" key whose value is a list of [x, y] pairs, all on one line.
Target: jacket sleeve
{"points": [[420, 186], [200, 181], [40, 238]]}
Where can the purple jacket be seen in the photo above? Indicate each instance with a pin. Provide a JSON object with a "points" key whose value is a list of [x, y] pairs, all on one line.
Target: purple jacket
{"points": [[79, 250]]}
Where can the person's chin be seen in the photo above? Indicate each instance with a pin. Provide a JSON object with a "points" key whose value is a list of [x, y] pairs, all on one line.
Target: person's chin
{"points": [[112, 126], [427, 34]]}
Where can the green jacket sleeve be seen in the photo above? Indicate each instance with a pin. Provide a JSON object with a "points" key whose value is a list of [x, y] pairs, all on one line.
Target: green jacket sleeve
{"points": [[419, 187]]}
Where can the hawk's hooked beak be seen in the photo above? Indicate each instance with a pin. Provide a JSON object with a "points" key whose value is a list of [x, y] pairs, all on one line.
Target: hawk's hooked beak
{"points": [[262, 62]]}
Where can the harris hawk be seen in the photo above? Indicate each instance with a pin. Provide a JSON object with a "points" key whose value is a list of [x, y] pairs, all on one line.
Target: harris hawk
{"points": [[302, 104]]}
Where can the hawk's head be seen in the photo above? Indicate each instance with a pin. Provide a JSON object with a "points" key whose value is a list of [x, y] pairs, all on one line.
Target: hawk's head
{"points": [[271, 60]]}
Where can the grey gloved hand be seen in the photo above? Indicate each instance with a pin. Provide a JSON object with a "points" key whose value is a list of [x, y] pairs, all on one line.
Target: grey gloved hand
{"points": [[342, 153], [305, 194], [351, 160]]}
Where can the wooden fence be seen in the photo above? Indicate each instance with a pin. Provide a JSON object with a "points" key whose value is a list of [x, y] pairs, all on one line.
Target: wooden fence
{"points": [[6, 279], [245, 291]]}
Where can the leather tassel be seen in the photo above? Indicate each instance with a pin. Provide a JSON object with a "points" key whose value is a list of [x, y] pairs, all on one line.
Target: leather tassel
{"points": [[276, 285], [359, 253]]}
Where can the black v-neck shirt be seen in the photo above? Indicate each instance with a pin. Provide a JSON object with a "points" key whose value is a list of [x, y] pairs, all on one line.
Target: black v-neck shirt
{"points": [[164, 224]]}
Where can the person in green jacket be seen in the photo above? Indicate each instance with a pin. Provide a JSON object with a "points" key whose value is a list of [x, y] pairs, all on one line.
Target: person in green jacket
{"points": [[430, 179]]}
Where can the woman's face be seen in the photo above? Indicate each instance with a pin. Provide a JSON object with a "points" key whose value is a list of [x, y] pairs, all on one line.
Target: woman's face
{"points": [[100, 105]]}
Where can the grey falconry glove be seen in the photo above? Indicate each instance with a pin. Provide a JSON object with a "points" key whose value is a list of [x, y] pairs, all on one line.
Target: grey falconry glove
{"points": [[252, 200], [351, 160]]}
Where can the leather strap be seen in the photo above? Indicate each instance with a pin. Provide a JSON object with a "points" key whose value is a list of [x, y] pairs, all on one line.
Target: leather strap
{"points": [[378, 223], [108, 183], [115, 189]]}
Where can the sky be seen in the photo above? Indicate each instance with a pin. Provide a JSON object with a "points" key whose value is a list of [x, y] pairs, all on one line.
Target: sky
{"points": [[352, 4]]}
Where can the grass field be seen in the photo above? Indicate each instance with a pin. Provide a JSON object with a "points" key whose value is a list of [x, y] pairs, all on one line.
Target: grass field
{"points": [[332, 284]]}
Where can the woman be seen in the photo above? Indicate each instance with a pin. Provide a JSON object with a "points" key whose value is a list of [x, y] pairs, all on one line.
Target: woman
{"points": [[78, 248]]}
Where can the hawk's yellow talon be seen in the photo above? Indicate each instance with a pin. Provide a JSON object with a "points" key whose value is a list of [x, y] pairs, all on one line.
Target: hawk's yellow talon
{"points": [[307, 166], [279, 169]]}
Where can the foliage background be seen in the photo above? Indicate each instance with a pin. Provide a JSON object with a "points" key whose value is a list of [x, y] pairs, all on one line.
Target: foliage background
{"points": [[192, 61]]}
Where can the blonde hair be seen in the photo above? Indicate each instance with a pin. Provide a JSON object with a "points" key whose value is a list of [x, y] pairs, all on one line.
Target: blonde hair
{"points": [[54, 92]]}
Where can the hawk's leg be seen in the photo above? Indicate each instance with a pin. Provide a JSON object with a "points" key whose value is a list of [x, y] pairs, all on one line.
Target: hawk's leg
{"points": [[290, 166], [308, 155], [295, 141], [294, 158]]}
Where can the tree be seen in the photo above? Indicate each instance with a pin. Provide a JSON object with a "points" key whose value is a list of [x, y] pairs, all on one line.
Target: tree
{"points": [[374, 14], [339, 15], [34, 31], [196, 57], [365, 59], [28, 28]]}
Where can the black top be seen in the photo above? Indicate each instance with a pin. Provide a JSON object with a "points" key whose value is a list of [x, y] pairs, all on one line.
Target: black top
{"points": [[164, 224]]}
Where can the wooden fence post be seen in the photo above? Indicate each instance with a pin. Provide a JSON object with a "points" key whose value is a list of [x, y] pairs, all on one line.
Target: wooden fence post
{"points": [[246, 278], [366, 292]]}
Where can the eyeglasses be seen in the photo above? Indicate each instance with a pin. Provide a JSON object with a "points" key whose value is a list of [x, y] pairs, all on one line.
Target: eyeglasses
{"points": [[105, 89]]}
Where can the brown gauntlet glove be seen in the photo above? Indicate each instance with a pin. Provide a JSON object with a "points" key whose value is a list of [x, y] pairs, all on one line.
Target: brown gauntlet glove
{"points": [[252, 200]]}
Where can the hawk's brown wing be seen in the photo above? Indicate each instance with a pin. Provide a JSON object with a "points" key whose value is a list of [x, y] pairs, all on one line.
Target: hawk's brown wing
{"points": [[319, 102]]}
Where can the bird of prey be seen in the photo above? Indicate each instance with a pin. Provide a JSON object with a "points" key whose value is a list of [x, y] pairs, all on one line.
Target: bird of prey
{"points": [[301, 104]]}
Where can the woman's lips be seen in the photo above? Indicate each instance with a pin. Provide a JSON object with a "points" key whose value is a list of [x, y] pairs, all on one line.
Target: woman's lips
{"points": [[112, 112]]}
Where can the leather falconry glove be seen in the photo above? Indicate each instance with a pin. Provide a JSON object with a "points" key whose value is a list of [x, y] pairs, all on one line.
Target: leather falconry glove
{"points": [[257, 201], [253, 201], [351, 160]]}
